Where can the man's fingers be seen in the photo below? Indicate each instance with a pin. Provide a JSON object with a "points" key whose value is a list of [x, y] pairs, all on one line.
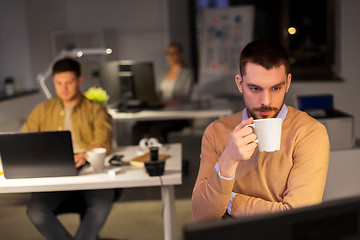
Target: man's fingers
{"points": [[251, 137], [243, 123], [250, 148], [79, 160]]}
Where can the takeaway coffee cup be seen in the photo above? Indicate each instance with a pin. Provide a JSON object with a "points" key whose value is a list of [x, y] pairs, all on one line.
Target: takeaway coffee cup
{"points": [[96, 158], [268, 133]]}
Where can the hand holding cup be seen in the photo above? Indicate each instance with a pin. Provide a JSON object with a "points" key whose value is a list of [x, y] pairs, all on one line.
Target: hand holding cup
{"points": [[268, 133]]}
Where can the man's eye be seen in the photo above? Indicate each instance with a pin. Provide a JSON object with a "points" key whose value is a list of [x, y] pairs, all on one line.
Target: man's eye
{"points": [[255, 89], [276, 88]]}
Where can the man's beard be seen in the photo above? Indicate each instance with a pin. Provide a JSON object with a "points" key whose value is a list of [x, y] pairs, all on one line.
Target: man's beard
{"points": [[264, 108], [251, 112]]}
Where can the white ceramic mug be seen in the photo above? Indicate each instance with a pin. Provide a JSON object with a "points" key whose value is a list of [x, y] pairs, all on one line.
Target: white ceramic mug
{"points": [[268, 133], [96, 158]]}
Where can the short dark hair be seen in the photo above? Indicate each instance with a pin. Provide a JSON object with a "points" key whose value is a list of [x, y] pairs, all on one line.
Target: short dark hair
{"points": [[67, 64], [265, 53]]}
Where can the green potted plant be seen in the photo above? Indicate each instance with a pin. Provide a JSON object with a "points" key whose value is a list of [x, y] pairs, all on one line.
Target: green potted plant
{"points": [[97, 94]]}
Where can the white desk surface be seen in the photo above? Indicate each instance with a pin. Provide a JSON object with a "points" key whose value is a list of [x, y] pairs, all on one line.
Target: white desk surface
{"points": [[215, 109], [130, 177]]}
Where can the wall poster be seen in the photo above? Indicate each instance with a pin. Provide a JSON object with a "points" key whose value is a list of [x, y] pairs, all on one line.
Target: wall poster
{"points": [[224, 32]]}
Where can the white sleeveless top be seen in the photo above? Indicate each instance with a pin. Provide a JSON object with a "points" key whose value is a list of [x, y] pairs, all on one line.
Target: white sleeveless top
{"points": [[167, 89]]}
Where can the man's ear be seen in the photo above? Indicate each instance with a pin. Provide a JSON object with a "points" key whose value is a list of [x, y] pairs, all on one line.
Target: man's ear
{"points": [[239, 82], [288, 82], [80, 80]]}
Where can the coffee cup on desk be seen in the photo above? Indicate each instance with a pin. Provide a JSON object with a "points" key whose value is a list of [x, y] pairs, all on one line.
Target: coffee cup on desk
{"points": [[268, 133], [96, 158]]}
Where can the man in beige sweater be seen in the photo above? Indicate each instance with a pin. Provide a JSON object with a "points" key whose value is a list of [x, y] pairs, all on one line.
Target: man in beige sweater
{"points": [[90, 126], [234, 177]]}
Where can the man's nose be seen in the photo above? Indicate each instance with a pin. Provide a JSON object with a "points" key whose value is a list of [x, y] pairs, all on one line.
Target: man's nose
{"points": [[266, 98]]}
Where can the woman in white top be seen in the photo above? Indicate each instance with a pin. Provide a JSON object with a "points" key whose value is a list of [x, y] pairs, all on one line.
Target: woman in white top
{"points": [[176, 84], [175, 87]]}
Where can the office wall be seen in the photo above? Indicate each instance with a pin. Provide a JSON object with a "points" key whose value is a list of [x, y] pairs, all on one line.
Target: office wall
{"points": [[42, 17], [142, 33], [138, 30], [346, 93], [141, 26], [135, 29], [179, 20], [14, 49]]}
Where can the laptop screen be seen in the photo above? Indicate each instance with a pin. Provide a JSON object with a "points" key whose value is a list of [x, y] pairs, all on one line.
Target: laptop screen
{"points": [[37, 154]]}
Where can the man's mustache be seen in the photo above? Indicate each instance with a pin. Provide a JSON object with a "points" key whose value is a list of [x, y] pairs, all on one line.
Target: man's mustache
{"points": [[265, 108]]}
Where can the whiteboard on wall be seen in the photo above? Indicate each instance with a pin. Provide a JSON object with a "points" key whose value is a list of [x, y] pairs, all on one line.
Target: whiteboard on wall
{"points": [[224, 33]]}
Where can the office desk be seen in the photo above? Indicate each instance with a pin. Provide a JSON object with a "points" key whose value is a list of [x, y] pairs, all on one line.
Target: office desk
{"points": [[131, 177], [214, 109], [124, 122]]}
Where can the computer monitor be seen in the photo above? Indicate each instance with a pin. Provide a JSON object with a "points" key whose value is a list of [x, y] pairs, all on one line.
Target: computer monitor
{"points": [[323, 101], [338, 219], [126, 80]]}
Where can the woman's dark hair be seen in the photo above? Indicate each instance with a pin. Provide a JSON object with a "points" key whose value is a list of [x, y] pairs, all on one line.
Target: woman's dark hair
{"points": [[179, 48], [177, 45]]}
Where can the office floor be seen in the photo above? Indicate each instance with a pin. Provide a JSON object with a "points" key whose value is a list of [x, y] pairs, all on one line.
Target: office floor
{"points": [[137, 215], [127, 220]]}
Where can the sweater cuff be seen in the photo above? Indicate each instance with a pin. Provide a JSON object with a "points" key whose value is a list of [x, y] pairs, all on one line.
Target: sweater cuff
{"points": [[228, 209], [217, 168], [220, 185]]}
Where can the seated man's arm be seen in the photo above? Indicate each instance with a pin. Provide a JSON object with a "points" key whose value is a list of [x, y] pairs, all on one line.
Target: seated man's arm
{"points": [[211, 193], [306, 182], [33, 121], [102, 128], [213, 187]]}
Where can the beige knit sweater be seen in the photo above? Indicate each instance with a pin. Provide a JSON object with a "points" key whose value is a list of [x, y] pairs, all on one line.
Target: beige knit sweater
{"points": [[269, 181]]}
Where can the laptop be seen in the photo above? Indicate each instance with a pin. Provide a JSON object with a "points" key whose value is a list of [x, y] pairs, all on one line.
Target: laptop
{"points": [[37, 154]]}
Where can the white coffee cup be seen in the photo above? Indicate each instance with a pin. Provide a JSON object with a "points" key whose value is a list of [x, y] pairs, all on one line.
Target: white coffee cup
{"points": [[96, 158], [268, 133]]}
